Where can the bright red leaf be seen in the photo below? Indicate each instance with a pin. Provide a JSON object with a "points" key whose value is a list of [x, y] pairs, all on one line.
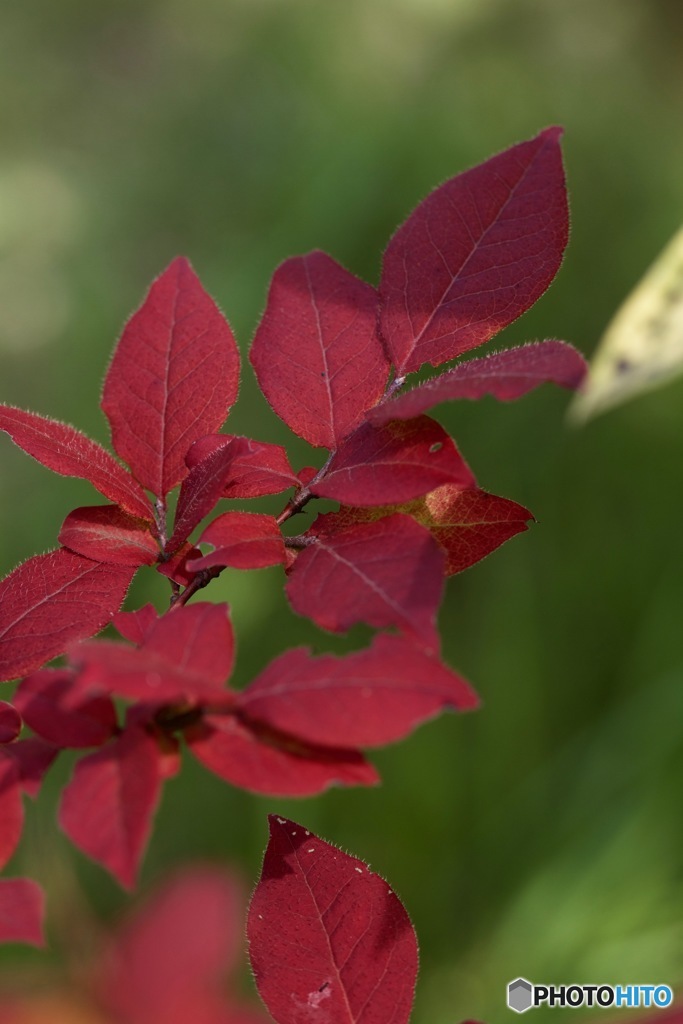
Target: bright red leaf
{"points": [[52, 600], [263, 761], [106, 533], [58, 712], [328, 938], [187, 653], [506, 375], [176, 567], [11, 807], [475, 254], [10, 722], [22, 909], [384, 573], [365, 699], [172, 379], [135, 626], [257, 468], [65, 450], [243, 540], [317, 355], [108, 806], [200, 491], [393, 463]]}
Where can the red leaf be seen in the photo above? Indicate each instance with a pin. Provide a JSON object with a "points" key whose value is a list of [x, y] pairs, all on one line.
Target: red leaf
{"points": [[107, 534], [263, 761], [11, 807], [135, 626], [243, 540], [361, 700], [32, 757], [505, 375], [257, 468], [475, 254], [384, 573], [22, 911], [108, 806], [393, 463], [58, 712], [168, 962], [172, 379], [200, 491], [316, 353], [176, 568], [469, 524], [10, 722], [52, 600], [65, 450], [187, 653], [327, 936]]}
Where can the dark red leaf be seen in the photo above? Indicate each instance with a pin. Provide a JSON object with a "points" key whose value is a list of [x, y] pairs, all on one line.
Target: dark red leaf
{"points": [[505, 375], [243, 540], [200, 491], [65, 450], [365, 699], [22, 911], [257, 468], [11, 807], [328, 938], [108, 806], [107, 534], [316, 353], [384, 573], [168, 962], [172, 379], [58, 712], [32, 757], [187, 653], [52, 600], [475, 254], [393, 463], [176, 568], [135, 626], [10, 722], [264, 761]]}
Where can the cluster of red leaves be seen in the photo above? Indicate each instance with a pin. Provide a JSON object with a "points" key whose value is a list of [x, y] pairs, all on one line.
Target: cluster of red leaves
{"points": [[331, 355]]}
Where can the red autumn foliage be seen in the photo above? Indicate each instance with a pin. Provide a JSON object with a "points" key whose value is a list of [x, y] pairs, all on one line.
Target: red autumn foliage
{"points": [[331, 355]]}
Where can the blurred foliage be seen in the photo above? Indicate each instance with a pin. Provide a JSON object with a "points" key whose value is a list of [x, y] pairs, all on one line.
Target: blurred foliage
{"points": [[541, 836]]}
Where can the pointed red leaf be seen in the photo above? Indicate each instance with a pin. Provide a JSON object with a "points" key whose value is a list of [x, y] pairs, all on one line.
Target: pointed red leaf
{"points": [[105, 533], [506, 375], [108, 806], [316, 353], [135, 626], [365, 699], [187, 653], [168, 961], [393, 463], [257, 468], [65, 450], [172, 379], [384, 573], [32, 757], [469, 524], [475, 254], [22, 911], [58, 712], [328, 938], [52, 600], [11, 807], [243, 540], [176, 568], [200, 491], [10, 722], [263, 761]]}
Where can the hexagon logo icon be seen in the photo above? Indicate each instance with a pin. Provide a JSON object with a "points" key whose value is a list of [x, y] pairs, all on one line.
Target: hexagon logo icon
{"points": [[520, 995]]}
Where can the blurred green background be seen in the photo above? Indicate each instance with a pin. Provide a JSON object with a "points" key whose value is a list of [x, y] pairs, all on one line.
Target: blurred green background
{"points": [[540, 836]]}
